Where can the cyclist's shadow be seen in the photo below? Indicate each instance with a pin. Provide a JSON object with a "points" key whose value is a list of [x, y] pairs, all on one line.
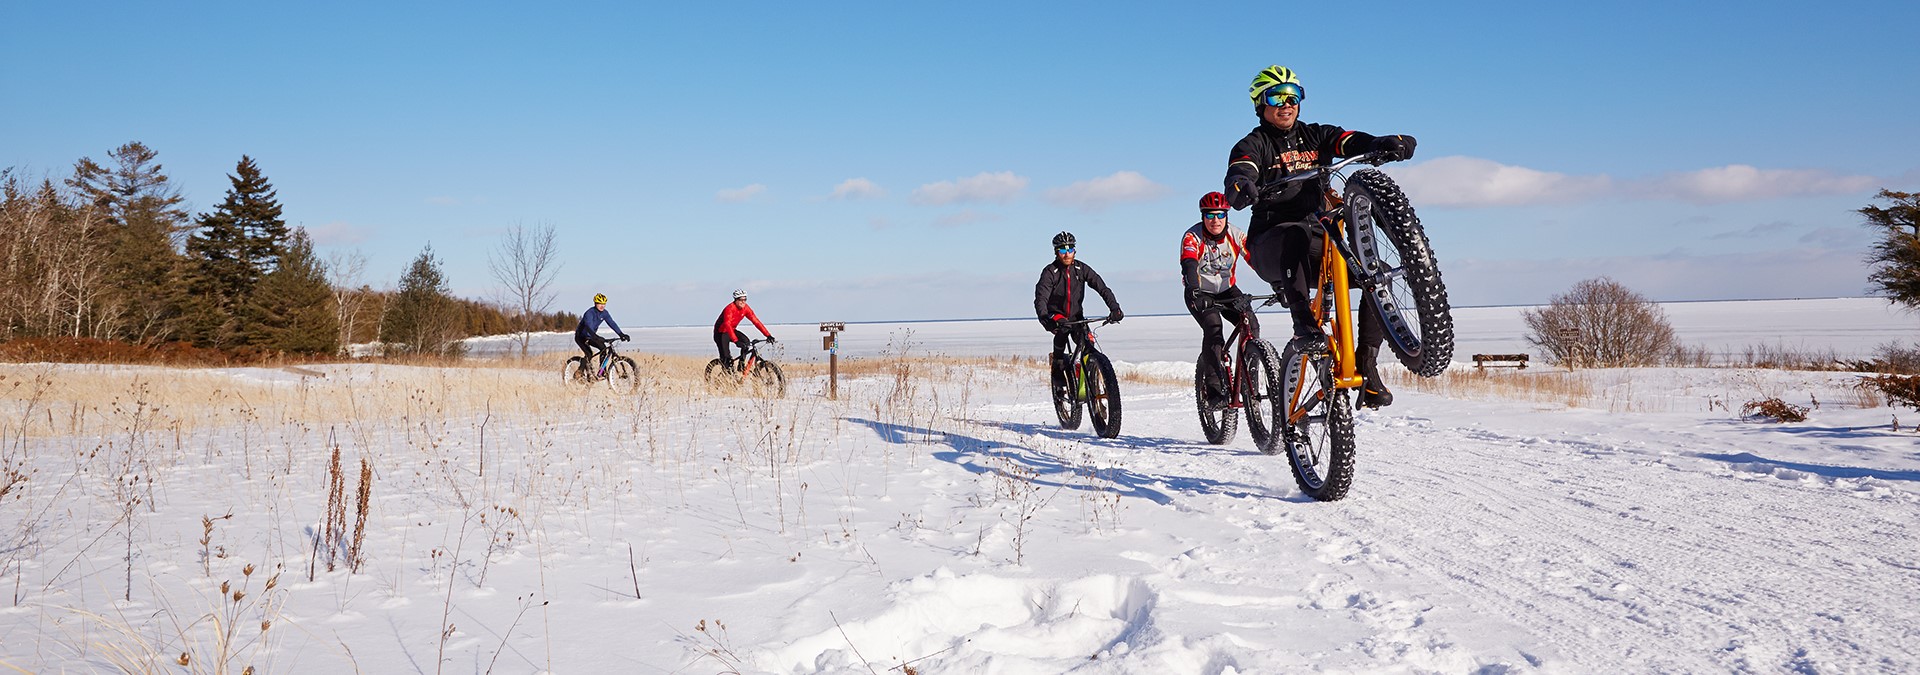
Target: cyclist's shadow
{"points": [[975, 455], [1155, 443]]}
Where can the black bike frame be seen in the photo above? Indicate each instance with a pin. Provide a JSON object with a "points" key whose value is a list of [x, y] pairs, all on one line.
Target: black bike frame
{"points": [[750, 355], [604, 357], [1244, 332], [1080, 347]]}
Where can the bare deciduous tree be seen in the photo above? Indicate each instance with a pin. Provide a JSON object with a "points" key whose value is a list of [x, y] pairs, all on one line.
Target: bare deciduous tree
{"points": [[349, 294], [1601, 323], [525, 265], [55, 264]]}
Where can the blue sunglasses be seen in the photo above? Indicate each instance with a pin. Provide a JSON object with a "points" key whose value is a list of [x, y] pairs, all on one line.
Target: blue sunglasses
{"points": [[1283, 94], [1213, 214], [1063, 249]]}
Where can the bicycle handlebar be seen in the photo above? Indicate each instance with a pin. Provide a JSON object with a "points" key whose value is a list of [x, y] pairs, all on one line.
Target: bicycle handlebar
{"points": [[1082, 322], [1269, 299], [1318, 171]]}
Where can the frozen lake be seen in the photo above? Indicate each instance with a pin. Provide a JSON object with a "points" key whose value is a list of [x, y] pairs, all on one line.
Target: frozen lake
{"points": [[1849, 326]]}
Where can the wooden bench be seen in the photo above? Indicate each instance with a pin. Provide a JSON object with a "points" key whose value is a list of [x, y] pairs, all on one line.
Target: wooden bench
{"points": [[1484, 361]]}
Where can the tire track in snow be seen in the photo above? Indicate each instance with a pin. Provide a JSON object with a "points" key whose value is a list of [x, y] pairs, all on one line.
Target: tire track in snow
{"points": [[1617, 557]]}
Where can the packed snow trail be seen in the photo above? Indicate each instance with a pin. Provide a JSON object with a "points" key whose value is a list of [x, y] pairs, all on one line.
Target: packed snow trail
{"points": [[1560, 539]]}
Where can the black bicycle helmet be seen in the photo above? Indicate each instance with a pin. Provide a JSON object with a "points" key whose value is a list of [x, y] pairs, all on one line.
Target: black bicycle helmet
{"points": [[1063, 240]]}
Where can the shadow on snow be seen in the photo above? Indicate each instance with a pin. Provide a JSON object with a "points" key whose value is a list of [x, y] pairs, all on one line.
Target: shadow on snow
{"points": [[969, 452], [1816, 469]]}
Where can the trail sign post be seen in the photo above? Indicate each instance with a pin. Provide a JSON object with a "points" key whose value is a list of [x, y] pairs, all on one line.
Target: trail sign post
{"points": [[831, 343]]}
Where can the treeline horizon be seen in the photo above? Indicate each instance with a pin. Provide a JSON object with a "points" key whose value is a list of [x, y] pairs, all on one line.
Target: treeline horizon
{"points": [[108, 254]]}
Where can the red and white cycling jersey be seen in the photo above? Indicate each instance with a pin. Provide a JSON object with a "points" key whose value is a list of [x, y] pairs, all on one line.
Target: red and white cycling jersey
{"points": [[1217, 259]]}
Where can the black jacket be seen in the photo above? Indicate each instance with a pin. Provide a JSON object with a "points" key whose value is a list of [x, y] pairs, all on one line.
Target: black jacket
{"points": [[1268, 153], [1062, 289]]}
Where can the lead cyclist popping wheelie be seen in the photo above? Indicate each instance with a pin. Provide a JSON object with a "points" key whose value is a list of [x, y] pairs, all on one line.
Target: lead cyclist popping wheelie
{"points": [[1278, 170]]}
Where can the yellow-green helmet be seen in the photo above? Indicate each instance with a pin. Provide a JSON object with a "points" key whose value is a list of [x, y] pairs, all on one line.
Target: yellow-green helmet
{"points": [[599, 298], [1267, 78]]}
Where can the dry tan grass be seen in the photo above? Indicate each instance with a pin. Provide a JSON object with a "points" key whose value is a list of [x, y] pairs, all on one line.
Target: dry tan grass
{"points": [[1535, 386], [41, 400]]}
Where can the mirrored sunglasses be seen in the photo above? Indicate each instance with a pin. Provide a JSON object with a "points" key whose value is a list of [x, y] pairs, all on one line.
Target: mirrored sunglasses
{"points": [[1283, 94], [1213, 214], [1063, 249]]}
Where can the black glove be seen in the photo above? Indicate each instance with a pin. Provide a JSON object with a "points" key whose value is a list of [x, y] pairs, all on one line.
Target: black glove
{"points": [[1394, 148], [1193, 296], [1241, 192], [1049, 324], [1116, 315], [624, 338], [772, 340]]}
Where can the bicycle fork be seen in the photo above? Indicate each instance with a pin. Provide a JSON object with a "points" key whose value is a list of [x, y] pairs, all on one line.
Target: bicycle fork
{"points": [[1340, 340]]}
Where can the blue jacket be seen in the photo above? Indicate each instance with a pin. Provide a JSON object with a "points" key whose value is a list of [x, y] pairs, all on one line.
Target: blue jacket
{"points": [[590, 322]]}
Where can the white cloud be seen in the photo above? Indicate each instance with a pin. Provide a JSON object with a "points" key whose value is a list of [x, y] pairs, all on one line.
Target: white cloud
{"points": [[336, 234], [986, 187], [1796, 272], [856, 188], [1474, 182], [1100, 193], [1739, 183], [1471, 181], [967, 217], [737, 195]]}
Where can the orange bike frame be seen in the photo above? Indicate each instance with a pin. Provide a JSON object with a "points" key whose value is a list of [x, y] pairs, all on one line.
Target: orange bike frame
{"points": [[1340, 339]]}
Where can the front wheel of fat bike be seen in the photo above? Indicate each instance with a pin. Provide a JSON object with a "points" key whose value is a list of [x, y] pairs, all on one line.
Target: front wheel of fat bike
{"points": [[1260, 394], [1103, 395], [623, 375], [1317, 430], [1066, 405], [1217, 422], [1411, 298], [768, 381]]}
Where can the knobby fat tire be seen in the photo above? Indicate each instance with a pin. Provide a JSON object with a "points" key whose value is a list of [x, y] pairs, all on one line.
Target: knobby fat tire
{"points": [[1326, 478], [1260, 391], [1393, 214], [1218, 425], [1106, 425]]}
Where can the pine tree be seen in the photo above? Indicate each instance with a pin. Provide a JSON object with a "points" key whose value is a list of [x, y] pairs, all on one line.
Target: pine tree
{"points": [[234, 246], [142, 208], [422, 317], [1896, 257], [292, 308]]}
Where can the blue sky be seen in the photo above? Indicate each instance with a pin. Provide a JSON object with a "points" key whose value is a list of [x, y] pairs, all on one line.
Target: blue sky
{"points": [[869, 161]]}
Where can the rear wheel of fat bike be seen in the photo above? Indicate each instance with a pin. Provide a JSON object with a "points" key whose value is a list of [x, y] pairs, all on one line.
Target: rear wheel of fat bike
{"points": [[1319, 441], [573, 372], [1103, 395], [1217, 423], [1066, 405], [1411, 298], [720, 377], [623, 375], [1260, 394], [768, 381]]}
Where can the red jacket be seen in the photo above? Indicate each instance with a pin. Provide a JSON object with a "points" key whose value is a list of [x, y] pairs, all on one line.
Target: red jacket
{"points": [[731, 316]]}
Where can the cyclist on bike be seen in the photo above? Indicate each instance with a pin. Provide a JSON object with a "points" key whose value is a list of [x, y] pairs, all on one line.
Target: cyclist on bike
{"points": [[726, 328], [1057, 297], [1210, 252], [1280, 247], [587, 334]]}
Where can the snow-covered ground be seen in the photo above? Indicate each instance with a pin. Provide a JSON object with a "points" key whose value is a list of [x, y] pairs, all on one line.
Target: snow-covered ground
{"points": [[937, 519]]}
